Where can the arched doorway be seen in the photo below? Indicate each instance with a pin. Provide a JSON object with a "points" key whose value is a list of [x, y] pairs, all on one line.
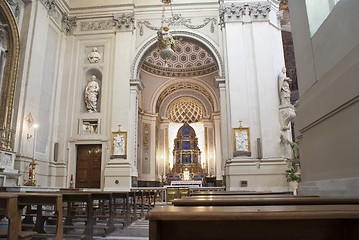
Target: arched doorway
{"points": [[185, 90]]}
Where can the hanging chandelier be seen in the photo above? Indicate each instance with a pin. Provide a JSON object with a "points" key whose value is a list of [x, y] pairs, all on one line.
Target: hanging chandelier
{"points": [[165, 42]]}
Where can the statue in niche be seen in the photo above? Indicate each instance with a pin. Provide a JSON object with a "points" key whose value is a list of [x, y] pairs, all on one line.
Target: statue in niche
{"points": [[284, 89], [94, 56], [119, 145], [91, 93], [242, 142]]}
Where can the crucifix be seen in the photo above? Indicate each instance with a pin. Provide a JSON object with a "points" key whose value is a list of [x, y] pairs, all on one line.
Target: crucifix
{"points": [[240, 123], [119, 127]]}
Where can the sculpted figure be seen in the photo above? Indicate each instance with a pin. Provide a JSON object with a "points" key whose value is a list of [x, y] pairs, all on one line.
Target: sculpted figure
{"points": [[91, 92], [119, 145], [94, 56], [284, 89]]}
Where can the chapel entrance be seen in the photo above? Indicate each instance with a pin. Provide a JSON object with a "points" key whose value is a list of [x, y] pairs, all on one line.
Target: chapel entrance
{"points": [[88, 168]]}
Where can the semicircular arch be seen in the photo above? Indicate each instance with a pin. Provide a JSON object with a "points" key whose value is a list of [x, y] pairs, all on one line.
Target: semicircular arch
{"points": [[150, 44]]}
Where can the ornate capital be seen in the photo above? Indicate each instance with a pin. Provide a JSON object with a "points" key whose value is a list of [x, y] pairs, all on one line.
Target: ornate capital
{"points": [[238, 12], [124, 22], [49, 4], [68, 24]]}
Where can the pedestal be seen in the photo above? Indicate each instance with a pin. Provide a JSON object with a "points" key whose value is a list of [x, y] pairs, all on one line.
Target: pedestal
{"points": [[118, 175]]}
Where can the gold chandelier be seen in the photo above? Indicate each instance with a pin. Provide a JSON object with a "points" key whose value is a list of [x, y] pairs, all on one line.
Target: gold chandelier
{"points": [[165, 42]]}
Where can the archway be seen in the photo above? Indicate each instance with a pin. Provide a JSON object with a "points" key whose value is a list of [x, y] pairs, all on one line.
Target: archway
{"points": [[186, 87]]}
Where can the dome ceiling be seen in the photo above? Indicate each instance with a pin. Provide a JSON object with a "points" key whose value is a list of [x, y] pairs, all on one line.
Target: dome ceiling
{"points": [[186, 108], [189, 59]]}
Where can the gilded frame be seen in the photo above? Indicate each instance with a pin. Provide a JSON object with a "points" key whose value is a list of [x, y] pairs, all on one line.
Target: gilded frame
{"points": [[9, 76], [118, 134], [240, 131]]}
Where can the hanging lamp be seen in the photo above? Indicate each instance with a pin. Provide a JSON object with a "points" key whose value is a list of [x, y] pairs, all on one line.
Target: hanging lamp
{"points": [[165, 42]]}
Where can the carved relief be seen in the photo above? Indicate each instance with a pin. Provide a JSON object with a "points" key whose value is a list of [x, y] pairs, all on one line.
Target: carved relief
{"points": [[146, 149], [124, 21], [178, 20], [89, 126], [237, 11], [94, 56], [68, 23], [96, 25]]}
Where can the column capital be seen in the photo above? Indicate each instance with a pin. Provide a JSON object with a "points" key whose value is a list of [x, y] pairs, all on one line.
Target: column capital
{"points": [[136, 84], [245, 11]]}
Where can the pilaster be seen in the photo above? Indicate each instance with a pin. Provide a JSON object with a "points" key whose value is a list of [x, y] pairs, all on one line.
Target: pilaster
{"points": [[136, 86]]}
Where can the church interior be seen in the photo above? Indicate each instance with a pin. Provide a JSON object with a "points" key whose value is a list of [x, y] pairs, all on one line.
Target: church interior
{"points": [[136, 119]]}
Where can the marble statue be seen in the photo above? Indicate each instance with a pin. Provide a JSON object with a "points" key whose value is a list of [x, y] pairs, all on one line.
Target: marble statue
{"points": [[241, 142], [94, 56], [284, 89], [119, 145], [91, 93]]}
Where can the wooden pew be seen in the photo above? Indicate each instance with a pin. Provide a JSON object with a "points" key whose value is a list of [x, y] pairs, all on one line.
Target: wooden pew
{"points": [[254, 201], [104, 209], [9, 208], [72, 198], [41, 199], [122, 208], [295, 222], [227, 193]]}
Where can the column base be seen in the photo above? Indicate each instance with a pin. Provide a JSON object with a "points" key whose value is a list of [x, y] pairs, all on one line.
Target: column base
{"points": [[118, 175]]}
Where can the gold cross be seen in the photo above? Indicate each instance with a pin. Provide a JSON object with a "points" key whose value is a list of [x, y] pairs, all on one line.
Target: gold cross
{"points": [[240, 123], [119, 126]]}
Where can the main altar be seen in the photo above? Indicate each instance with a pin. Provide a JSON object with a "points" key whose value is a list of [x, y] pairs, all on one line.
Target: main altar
{"points": [[187, 165]]}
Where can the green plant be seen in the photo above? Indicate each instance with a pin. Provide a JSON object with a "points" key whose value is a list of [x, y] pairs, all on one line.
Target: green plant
{"points": [[292, 174], [2, 169]]}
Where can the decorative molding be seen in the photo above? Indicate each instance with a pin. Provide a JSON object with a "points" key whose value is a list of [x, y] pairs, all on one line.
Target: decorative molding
{"points": [[237, 12], [124, 21], [68, 23], [178, 20], [96, 25]]}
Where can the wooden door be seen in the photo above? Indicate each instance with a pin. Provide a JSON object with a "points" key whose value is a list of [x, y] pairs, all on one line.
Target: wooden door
{"points": [[88, 168]]}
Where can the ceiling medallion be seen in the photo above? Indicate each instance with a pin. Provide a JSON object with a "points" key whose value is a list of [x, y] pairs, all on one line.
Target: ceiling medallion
{"points": [[166, 44]]}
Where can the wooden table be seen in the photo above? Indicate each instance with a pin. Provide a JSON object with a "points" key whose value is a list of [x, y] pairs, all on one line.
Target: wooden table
{"points": [[40, 199], [295, 222], [253, 201]]}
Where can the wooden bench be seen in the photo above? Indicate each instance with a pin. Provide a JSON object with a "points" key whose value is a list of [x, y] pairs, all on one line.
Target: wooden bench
{"points": [[44, 199], [226, 193], [9, 208], [121, 207], [295, 222], [253, 201]]}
